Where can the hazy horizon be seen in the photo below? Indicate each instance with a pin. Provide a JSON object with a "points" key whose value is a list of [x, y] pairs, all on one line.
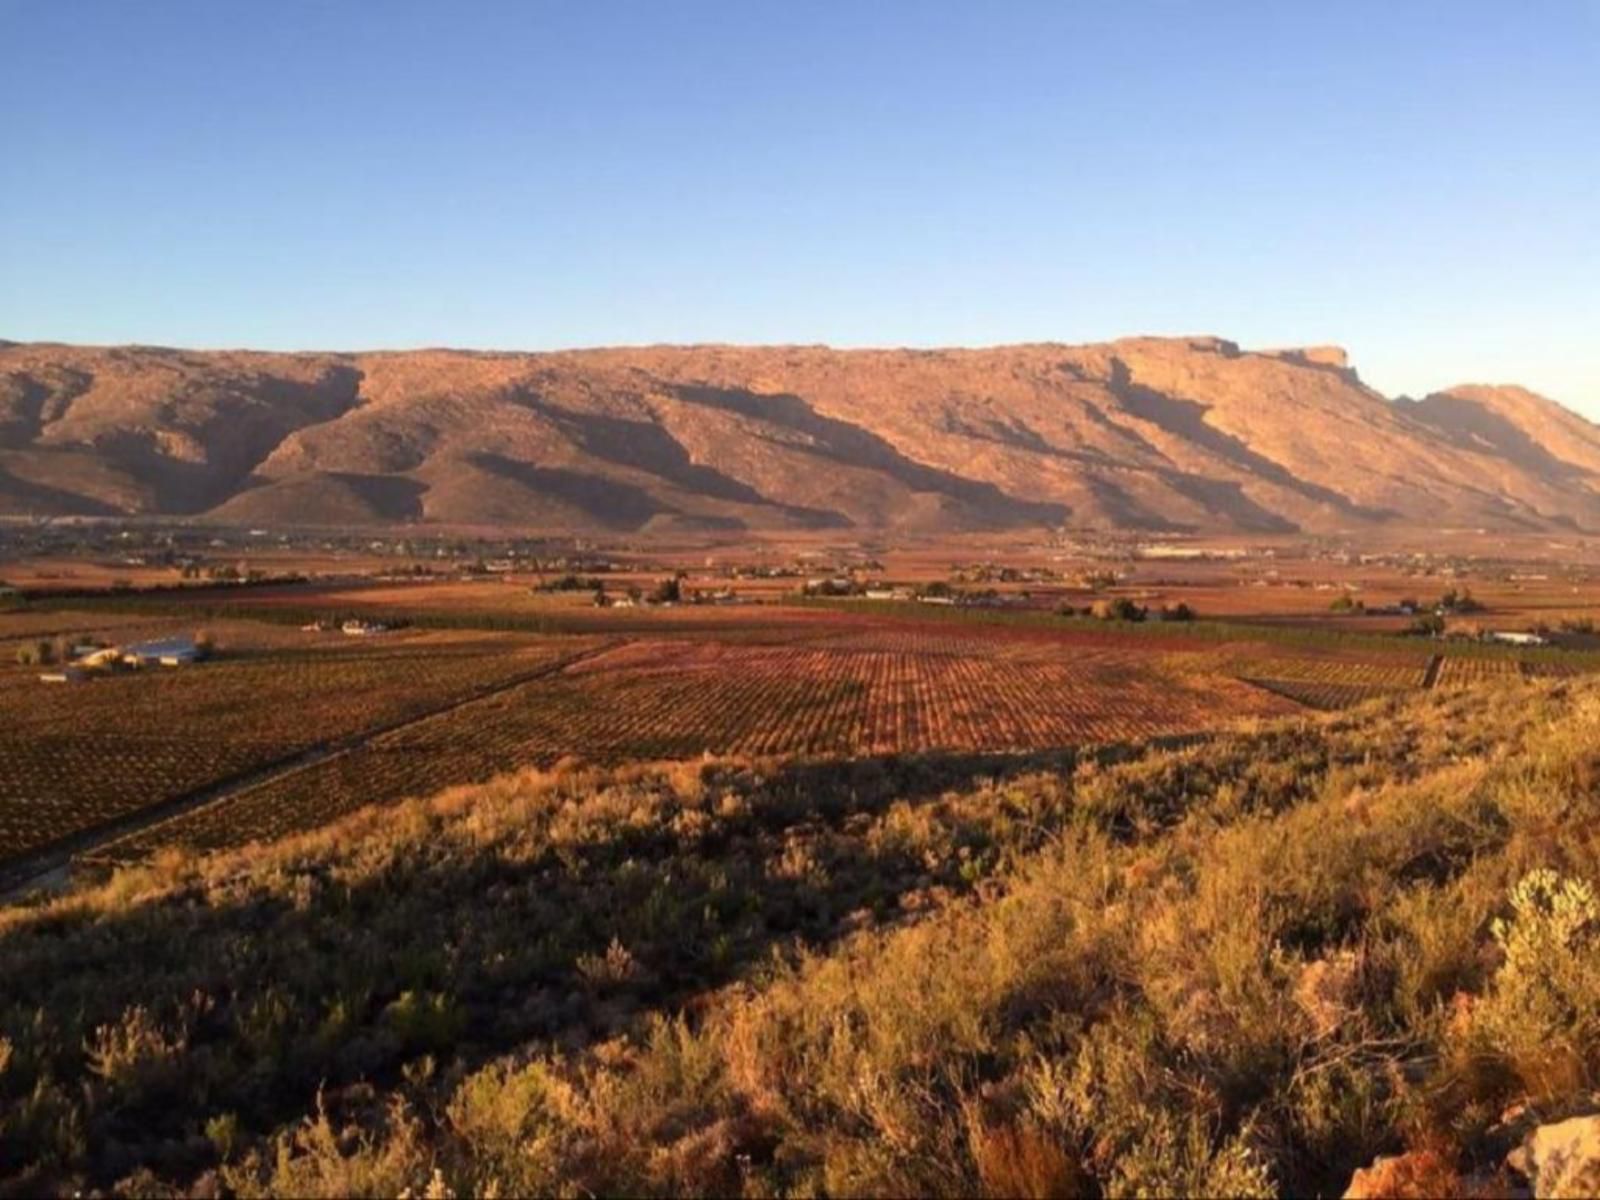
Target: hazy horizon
{"points": [[1417, 186]]}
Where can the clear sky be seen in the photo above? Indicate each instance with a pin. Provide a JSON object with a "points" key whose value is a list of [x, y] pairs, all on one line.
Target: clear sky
{"points": [[1417, 181]]}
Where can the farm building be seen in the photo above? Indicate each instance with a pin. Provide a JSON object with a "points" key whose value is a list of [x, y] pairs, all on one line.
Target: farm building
{"points": [[168, 652], [358, 628], [65, 675], [1516, 638]]}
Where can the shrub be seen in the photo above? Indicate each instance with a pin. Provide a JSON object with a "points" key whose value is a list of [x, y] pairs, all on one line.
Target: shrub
{"points": [[1119, 609], [668, 591], [1543, 1011], [320, 1159], [1461, 601], [1022, 1160], [33, 654], [222, 1131], [134, 1055], [515, 1124], [424, 1020]]}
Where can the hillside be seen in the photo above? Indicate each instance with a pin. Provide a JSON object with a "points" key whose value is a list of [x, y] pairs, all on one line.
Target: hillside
{"points": [[1144, 433], [1247, 967]]}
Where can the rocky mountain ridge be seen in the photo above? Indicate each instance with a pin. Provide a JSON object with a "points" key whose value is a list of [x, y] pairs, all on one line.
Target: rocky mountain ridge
{"points": [[1168, 434]]}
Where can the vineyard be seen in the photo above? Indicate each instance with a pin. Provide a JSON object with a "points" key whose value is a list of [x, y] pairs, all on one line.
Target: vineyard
{"points": [[443, 708], [680, 700], [1455, 672], [1375, 676], [74, 758], [1327, 684]]}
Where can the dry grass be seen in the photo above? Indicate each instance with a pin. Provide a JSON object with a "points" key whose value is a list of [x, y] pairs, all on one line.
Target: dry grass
{"points": [[1243, 968]]}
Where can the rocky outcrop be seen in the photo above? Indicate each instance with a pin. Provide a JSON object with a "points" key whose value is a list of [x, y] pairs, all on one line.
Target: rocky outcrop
{"points": [[1427, 1175], [1561, 1161]]}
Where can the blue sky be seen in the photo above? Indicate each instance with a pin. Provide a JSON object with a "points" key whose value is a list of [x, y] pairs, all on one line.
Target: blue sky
{"points": [[1419, 182]]}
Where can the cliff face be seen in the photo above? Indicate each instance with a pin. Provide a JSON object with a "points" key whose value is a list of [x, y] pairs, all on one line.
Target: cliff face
{"points": [[1189, 433]]}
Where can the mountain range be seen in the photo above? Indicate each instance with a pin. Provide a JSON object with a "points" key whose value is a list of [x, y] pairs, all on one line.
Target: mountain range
{"points": [[1168, 434]]}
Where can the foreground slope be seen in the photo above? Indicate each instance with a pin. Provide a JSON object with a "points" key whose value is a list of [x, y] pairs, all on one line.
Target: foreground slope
{"points": [[1243, 968], [1156, 433]]}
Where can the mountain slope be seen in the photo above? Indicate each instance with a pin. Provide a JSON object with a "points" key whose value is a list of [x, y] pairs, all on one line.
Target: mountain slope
{"points": [[1157, 433]]}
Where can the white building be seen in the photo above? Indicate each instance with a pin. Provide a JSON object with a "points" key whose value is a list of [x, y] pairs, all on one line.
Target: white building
{"points": [[1516, 637]]}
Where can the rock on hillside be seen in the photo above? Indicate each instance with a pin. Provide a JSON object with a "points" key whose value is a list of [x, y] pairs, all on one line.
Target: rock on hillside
{"points": [[1562, 1159], [1144, 433]]}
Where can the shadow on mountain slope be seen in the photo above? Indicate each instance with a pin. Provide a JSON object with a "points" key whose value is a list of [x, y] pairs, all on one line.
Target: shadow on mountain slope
{"points": [[1225, 498], [1186, 419], [1474, 426], [235, 426], [21, 496], [850, 445], [28, 402], [607, 502], [1222, 498], [645, 446], [317, 497]]}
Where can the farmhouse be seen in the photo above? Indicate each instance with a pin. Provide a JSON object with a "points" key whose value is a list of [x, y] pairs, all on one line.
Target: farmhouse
{"points": [[168, 652], [100, 657], [358, 628], [1516, 637]]}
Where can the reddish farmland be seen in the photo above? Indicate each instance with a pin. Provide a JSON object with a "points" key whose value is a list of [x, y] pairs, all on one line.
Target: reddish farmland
{"points": [[656, 700], [75, 758]]}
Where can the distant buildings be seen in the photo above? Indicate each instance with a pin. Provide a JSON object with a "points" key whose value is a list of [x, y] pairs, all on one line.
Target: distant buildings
{"points": [[1512, 637], [166, 652], [89, 659]]}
